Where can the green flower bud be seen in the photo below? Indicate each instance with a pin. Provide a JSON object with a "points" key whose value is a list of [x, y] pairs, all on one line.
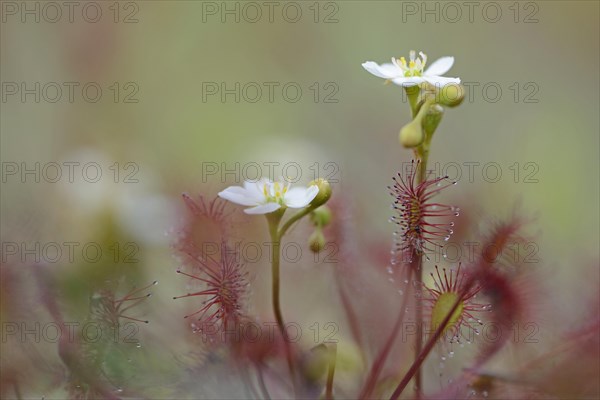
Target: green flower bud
{"points": [[432, 119], [316, 241], [451, 95], [411, 135], [321, 216], [324, 192]]}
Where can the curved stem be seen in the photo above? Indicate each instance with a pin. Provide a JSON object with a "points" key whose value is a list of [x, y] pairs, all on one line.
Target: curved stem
{"points": [[294, 218], [273, 220], [276, 235], [275, 287]]}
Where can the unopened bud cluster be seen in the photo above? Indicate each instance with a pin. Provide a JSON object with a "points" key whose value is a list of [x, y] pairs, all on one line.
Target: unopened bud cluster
{"points": [[429, 111], [319, 219]]}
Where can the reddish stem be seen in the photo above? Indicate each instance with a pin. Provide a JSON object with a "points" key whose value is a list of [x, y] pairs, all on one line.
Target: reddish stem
{"points": [[416, 366]]}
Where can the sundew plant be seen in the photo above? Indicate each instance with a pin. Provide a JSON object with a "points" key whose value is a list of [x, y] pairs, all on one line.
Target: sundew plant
{"points": [[317, 200], [439, 309]]}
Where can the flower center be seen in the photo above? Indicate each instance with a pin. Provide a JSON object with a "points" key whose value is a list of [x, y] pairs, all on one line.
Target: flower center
{"points": [[415, 65], [275, 191]]}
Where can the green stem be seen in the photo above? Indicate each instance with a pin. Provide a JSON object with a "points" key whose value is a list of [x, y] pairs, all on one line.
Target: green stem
{"points": [[424, 157], [275, 262], [413, 98], [422, 175], [274, 219], [294, 218], [422, 153]]}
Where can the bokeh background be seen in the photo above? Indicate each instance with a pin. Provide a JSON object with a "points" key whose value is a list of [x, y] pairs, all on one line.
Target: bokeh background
{"points": [[155, 62]]}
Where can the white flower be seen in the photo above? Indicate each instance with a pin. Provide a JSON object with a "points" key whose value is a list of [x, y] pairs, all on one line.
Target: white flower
{"points": [[265, 196], [409, 74]]}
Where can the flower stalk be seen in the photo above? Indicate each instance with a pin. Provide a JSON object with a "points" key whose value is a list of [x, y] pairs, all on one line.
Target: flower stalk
{"points": [[415, 369], [418, 271], [422, 118], [272, 199], [273, 221], [422, 155]]}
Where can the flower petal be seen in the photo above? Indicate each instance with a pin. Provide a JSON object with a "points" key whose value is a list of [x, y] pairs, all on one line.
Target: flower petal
{"points": [[300, 197], [386, 71], [440, 66], [238, 195], [408, 81], [441, 80], [263, 208], [255, 189]]}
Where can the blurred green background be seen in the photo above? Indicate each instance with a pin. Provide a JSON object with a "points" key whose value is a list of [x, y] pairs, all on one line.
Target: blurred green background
{"points": [[165, 55]]}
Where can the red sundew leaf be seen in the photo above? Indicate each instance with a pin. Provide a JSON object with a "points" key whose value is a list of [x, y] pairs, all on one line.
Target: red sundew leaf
{"points": [[212, 261], [508, 283], [214, 209], [448, 286], [110, 310], [506, 307], [224, 283], [498, 245], [511, 289], [569, 370], [504, 300], [419, 233], [205, 226]]}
